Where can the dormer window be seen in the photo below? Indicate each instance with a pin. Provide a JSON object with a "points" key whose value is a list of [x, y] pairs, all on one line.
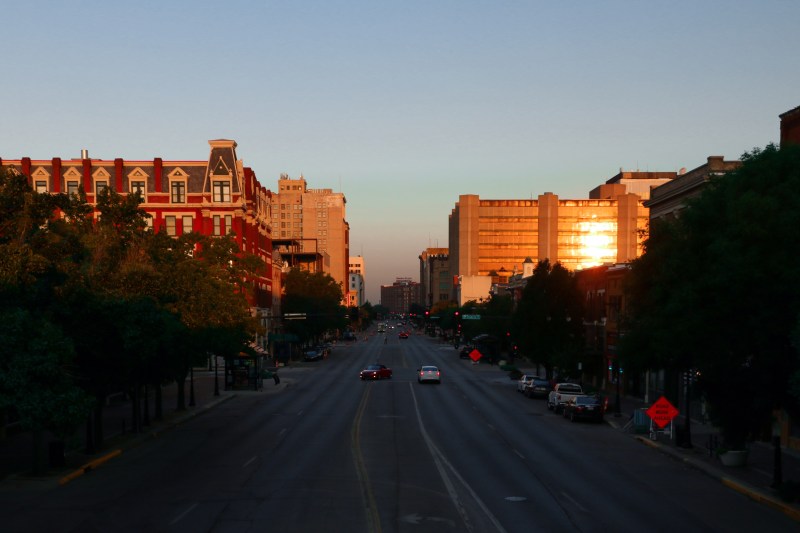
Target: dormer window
{"points": [[221, 191]]}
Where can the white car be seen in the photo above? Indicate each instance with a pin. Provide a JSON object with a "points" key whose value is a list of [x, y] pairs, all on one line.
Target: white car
{"points": [[525, 381], [429, 374]]}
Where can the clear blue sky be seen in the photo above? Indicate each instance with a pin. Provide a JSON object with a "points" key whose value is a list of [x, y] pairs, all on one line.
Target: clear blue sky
{"points": [[402, 105]]}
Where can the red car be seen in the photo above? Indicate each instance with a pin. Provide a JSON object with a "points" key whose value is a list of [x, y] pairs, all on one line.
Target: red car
{"points": [[403, 335], [376, 372]]}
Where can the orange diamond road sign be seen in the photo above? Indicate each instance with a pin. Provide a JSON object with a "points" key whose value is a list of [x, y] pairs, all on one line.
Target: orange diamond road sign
{"points": [[475, 355], [662, 412]]}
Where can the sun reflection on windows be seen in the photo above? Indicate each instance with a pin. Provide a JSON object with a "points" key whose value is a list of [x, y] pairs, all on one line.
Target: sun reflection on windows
{"points": [[596, 243]]}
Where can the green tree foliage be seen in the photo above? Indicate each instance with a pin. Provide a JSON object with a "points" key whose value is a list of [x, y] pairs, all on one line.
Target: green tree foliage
{"points": [[318, 296], [717, 291], [548, 321], [116, 306]]}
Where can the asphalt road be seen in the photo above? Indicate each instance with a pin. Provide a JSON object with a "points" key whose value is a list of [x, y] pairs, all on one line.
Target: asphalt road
{"points": [[334, 454]]}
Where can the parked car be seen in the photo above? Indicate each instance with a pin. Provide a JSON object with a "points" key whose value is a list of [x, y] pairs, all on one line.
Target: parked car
{"points": [[584, 407], [561, 393], [539, 387], [465, 351], [313, 355], [376, 371], [429, 374], [524, 381]]}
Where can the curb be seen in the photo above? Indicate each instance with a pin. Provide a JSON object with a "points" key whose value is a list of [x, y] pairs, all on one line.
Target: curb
{"points": [[93, 464], [741, 487]]}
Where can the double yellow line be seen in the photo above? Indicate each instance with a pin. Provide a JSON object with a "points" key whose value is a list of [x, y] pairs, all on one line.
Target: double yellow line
{"points": [[368, 498]]}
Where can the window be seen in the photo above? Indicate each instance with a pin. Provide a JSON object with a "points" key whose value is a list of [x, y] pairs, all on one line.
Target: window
{"points": [[221, 191], [178, 192], [138, 187], [72, 188], [41, 186], [170, 225], [100, 186], [228, 224], [187, 223], [217, 225]]}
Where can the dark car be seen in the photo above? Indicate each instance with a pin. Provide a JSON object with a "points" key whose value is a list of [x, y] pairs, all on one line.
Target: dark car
{"points": [[537, 388], [465, 351], [584, 407], [313, 355], [376, 372], [403, 335]]}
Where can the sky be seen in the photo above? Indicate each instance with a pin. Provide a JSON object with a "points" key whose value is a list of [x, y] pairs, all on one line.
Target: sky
{"points": [[402, 105]]}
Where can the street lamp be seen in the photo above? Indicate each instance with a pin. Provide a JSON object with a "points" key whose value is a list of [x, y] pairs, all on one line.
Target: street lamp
{"points": [[191, 384], [216, 381], [617, 405]]}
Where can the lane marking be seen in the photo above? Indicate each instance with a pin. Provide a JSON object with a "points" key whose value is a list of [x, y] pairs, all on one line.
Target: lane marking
{"points": [[441, 462], [248, 462], [180, 516], [367, 497], [574, 502]]}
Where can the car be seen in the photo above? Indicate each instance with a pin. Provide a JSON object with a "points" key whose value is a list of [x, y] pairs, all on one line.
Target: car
{"points": [[313, 355], [429, 373], [561, 393], [584, 407], [403, 335], [524, 381], [376, 371], [538, 388]]}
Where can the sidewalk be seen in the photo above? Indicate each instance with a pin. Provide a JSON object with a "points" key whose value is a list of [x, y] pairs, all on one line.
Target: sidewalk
{"points": [[16, 455], [754, 479]]}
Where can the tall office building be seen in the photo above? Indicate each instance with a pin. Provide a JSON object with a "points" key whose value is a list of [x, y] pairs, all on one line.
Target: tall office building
{"points": [[310, 224], [494, 237]]}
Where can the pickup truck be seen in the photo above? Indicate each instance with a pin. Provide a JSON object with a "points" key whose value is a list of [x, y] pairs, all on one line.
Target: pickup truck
{"points": [[561, 393]]}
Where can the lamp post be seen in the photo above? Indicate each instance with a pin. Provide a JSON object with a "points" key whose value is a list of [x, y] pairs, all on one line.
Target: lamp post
{"points": [[216, 381], [617, 405], [191, 385]]}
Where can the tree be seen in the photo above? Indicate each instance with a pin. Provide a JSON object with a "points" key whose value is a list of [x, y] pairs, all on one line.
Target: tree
{"points": [[548, 319], [716, 291], [318, 296]]}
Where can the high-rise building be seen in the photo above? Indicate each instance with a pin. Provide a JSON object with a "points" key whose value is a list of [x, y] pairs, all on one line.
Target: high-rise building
{"points": [[494, 237], [434, 274], [310, 229]]}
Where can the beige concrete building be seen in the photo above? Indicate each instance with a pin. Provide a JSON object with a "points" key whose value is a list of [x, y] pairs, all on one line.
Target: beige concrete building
{"points": [[494, 237], [357, 284], [312, 223]]}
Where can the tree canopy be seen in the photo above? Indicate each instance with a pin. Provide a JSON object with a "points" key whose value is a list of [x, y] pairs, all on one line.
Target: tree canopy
{"points": [[716, 291]]}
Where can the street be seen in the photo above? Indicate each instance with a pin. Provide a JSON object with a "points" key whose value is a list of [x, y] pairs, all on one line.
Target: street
{"points": [[332, 453]]}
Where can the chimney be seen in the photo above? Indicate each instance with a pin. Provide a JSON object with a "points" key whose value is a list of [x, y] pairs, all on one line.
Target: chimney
{"points": [[84, 154]]}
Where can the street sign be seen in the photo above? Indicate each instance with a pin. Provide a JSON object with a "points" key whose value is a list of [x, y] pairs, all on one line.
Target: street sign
{"points": [[662, 412], [471, 317], [475, 355]]}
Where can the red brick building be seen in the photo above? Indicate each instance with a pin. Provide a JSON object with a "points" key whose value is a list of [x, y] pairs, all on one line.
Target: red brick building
{"points": [[216, 196]]}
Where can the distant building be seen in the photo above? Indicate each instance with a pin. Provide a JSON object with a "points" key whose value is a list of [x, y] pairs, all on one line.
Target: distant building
{"points": [[310, 229], [400, 296], [434, 275], [357, 284], [494, 237]]}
